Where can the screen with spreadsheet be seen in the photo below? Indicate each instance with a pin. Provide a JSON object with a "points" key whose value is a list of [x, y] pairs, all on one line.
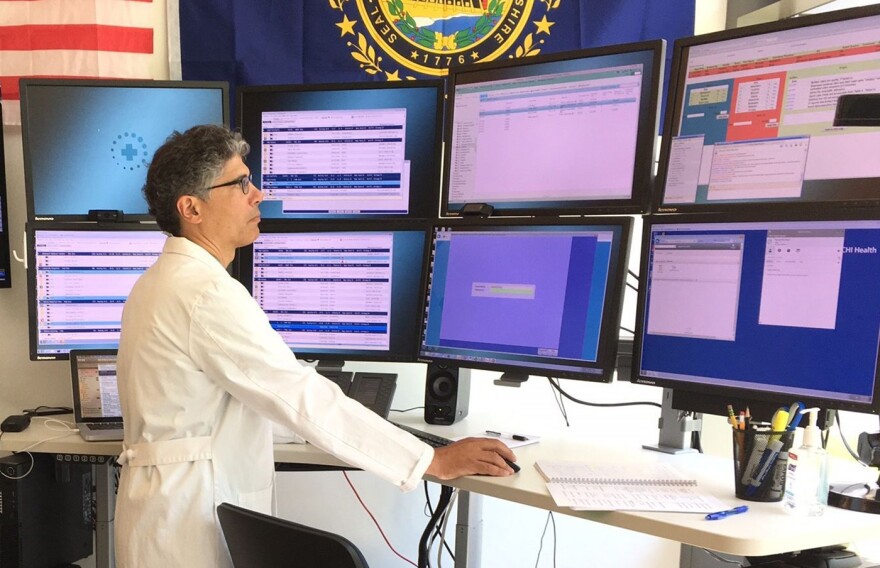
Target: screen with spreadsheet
{"points": [[750, 120], [79, 278], [349, 292], [345, 150], [566, 132]]}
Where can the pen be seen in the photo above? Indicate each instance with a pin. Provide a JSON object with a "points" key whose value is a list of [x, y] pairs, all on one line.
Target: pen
{"points": [[764, 466], [727, 513], [794, 415], [751, 466], [517, 437]]}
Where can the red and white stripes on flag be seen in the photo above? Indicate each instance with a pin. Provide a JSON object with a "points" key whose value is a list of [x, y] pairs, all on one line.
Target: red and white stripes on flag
{"points": [[118, 39]]}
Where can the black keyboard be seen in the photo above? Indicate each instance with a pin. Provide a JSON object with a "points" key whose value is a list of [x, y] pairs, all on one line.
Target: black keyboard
{"points": [[432, 440], [436, 441]]}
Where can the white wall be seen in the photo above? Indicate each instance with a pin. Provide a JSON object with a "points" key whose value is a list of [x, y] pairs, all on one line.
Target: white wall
{"points": [[23, 383]]}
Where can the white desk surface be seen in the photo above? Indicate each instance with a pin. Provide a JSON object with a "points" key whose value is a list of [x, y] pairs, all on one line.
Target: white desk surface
{"points": [[766, 529]]}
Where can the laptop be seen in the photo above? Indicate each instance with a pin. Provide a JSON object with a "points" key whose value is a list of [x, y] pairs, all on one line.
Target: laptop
{"points": [[96, 407]]}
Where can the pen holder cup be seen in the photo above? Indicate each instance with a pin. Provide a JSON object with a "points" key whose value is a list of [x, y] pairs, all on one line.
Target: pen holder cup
{"points": [[760, 458]]}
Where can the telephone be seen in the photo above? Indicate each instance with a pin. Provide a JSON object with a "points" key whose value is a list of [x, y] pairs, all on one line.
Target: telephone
{"points": [[373, 390]]}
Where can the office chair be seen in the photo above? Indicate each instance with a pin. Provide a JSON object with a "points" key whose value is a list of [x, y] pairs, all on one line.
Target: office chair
{"points": [[256, 540]]}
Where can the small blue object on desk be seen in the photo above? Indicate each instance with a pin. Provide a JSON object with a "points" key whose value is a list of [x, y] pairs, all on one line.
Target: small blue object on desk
{"points": [[727, 513]]}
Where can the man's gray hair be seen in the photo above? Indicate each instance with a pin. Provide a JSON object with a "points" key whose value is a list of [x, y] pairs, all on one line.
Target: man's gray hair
{"points": [[187, 164]]}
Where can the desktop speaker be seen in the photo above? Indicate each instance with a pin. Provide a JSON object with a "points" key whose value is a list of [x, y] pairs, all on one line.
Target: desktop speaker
{"points": [[447, 393]]}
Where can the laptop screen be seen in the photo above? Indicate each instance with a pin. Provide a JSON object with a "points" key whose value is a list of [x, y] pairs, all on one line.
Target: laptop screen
{"points": [[96, 396]]}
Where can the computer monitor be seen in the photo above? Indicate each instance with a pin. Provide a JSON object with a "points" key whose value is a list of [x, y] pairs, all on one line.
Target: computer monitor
{"points": [[340, 291], [5, 260], [87, 143], [750, 116], [568, 132], [355, 150], [540, 297], [772, 308], [79, 276]]}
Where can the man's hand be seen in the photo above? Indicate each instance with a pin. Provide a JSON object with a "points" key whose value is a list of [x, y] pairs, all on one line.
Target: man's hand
{"points": [[471, 456]]}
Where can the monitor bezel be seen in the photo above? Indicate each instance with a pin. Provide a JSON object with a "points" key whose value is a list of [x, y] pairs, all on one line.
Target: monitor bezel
{"points": [[434, 193], [606, 360], [693, 390], [243, 271], [643, 163], [673, 112], [29, 83], [5, 232], [56, 225]]}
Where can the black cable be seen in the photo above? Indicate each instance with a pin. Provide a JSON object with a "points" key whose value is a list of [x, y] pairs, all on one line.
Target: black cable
{"points": [[628, 330], [560, 402], [437, 531], [48, 410], [408, 409], [846, 444], [603, 404], [633, 274], [636, 288], [442, 503]]}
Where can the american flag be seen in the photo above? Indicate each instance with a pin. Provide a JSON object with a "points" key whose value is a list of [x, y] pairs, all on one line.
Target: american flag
{"points": [[118, 39]]}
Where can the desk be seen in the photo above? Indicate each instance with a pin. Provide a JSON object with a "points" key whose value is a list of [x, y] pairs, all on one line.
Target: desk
{"points": [[742, 535]]}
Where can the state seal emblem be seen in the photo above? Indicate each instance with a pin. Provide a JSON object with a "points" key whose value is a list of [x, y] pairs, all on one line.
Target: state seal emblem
{"points": [[429, 36]]}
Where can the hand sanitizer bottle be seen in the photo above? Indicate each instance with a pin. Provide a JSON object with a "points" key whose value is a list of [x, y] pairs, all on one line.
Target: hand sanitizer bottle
{"points": [[806, 482]]}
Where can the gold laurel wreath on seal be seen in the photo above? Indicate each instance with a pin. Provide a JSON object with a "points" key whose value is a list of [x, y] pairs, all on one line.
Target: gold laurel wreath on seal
{"points": [[367, 57]]}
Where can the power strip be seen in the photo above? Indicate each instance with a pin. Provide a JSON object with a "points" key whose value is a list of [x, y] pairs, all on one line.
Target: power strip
{"points": [[81, 458]]}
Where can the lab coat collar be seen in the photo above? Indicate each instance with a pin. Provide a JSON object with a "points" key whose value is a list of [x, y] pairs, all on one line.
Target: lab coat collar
{"points": [[184, 246]]}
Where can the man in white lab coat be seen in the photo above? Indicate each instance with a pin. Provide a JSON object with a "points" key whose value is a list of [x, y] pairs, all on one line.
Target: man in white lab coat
{"points": [[202, 376]]}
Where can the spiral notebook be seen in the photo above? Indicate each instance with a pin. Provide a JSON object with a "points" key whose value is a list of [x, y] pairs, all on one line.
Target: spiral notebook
{"points": [[653, 486]]}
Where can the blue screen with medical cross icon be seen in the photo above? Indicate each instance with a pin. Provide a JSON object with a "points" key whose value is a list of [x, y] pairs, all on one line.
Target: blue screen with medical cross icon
{"points": [[88, 143]]}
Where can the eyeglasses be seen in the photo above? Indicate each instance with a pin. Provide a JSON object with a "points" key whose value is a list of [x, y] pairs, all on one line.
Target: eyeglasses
{"points": [[244, 182]]}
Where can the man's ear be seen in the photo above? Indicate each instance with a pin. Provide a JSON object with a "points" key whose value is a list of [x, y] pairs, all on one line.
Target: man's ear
{"points": [[189, 207]]}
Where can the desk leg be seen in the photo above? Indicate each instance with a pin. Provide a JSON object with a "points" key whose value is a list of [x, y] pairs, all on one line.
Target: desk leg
{"points": [[469, 530], [105, 556]]}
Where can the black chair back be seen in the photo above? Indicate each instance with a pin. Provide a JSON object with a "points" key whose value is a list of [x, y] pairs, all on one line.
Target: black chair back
{"points": [[256, 540]]}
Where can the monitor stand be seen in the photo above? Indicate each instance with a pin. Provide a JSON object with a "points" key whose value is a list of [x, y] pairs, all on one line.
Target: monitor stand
{"points": [[511, 379], [861, 497], [675, 428]]}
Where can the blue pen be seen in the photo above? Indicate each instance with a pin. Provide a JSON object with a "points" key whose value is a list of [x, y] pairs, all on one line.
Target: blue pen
{"points": [[764, 466], [727, 513], [794, 415]]}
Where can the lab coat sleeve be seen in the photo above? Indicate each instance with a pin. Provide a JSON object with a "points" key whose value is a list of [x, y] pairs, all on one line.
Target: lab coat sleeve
{"points": [[232, 340]]}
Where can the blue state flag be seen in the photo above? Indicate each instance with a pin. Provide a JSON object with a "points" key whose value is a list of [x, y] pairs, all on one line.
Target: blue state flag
{"points": [[263, 42]]}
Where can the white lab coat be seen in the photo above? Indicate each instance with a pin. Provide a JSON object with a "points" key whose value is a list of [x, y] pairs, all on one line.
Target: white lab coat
{"points": [[201, 374]]}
